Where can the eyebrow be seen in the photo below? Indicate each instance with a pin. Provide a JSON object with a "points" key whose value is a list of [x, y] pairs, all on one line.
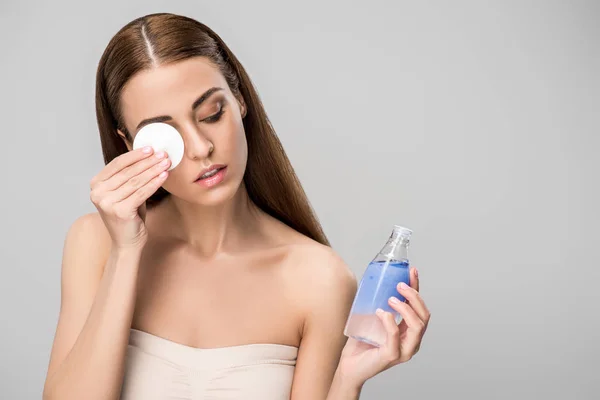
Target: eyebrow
{"points": [[195, 105]]}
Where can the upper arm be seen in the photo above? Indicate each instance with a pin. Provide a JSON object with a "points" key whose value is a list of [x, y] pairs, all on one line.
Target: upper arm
{"points": [[327, 297], [85, 252]]}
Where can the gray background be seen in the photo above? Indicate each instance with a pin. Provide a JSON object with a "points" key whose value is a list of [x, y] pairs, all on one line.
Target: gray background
{"points": [[473, 122]]}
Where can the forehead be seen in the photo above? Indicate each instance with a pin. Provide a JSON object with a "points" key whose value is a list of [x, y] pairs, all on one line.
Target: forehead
{"points": [[168, 89]]}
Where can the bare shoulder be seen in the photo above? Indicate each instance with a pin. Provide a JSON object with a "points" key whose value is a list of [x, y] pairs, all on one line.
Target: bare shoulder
{"points": [[308, 261], [321, 264], [314, 273], [89, 230], [320, 276], [87, 238], [91, 223]]}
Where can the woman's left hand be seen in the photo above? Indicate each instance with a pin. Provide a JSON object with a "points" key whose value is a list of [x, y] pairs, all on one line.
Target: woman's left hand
{"points": [[361, 361]]}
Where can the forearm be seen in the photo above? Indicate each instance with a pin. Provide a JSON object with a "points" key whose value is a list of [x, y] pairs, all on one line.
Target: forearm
{"points": [[342, 389], [93, 369]]}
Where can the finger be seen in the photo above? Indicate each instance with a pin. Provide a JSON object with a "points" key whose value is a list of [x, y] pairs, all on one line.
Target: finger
{"points": [[414, 279], [409, 346], [391, 350], [415, 300], [409, 315], [130, 172], [139, 197], [414, 331], [137, 182], [122, 161]]}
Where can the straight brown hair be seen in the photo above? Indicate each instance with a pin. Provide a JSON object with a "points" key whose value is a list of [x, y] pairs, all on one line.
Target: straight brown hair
{"points": [[269, 178]]}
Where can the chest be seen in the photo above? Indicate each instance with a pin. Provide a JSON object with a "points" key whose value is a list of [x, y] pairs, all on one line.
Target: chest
{"points": [[222, 302]]}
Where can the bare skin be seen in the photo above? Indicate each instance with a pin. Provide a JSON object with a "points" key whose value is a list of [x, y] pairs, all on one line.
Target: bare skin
{"points": [[252, 294], [206, 268], [260, 294]]}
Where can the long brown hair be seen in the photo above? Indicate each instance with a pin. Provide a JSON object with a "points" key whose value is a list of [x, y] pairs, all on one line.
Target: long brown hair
{"points": [[164, 38]]}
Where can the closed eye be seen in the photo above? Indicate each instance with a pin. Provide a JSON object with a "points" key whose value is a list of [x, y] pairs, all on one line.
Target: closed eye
{"points": [[215, 117]]}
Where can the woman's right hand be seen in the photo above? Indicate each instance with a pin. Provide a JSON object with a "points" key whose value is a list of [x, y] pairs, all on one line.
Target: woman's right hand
{"points": [[121, 189]]}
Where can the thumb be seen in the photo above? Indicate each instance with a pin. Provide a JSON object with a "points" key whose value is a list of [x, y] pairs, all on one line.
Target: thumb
{"points": [[414, 279]]}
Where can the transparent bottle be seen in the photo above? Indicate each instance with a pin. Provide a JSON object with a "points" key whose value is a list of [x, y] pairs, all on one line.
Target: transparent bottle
{"points": [[378, 284]]}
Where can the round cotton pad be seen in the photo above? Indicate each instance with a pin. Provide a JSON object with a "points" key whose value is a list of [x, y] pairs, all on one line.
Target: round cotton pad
{"points": [[162, 137]]}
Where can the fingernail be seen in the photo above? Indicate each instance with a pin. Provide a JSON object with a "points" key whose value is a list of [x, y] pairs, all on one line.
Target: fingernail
{"points": [[403, 285], [416, 272], [147, 149], [394, 300], [160, 154], [379, 311], [164, 163]]}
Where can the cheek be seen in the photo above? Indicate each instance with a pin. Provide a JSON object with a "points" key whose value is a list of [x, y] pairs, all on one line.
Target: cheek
{"points": [[236, 147], [242, 151], [242, 145]]}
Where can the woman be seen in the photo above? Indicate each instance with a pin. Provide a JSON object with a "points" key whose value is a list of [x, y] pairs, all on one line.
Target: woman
{"points": [[188, 286]]}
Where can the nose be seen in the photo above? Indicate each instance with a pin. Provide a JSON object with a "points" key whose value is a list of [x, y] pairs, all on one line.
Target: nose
{"points": [[197, 146]]}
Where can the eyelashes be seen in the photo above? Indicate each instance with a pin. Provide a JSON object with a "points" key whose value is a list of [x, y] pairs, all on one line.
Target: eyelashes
{"points": [[215, 117]]}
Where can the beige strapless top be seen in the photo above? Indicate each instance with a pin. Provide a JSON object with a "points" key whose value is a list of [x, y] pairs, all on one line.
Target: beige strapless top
{"points": [[160, 369]]}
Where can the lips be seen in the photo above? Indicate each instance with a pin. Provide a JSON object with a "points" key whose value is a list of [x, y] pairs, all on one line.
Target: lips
{"points": [[210, 171]]}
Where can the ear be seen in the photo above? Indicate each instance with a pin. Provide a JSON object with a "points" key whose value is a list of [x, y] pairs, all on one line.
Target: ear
{"points": [[125, 140], [242, 104]]}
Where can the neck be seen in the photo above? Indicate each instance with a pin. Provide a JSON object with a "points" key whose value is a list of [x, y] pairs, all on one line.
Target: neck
{"points": [[213, 229]]}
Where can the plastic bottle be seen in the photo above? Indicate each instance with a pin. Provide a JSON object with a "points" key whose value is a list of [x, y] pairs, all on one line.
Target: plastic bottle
{"points": [[379, 282]]}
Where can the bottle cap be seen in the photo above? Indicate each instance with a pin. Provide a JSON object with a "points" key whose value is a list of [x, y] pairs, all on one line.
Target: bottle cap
{"points": [[161, 137]]}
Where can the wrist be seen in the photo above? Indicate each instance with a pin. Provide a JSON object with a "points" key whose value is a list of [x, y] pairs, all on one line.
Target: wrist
{"points": [[344, 387], [126, 253]]}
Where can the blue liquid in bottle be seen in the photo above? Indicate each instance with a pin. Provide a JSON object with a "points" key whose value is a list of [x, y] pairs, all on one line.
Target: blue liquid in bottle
{"points": [[378, 284]]}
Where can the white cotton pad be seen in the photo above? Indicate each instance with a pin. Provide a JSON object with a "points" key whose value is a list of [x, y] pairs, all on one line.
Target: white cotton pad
{"points": [[162, 137]]}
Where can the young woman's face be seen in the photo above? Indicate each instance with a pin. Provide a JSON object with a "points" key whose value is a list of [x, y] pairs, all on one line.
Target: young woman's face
{"points": [[171, 94]]}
